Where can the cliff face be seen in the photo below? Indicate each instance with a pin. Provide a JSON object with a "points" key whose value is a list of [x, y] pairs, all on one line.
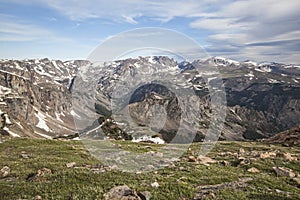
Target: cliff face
{"points": [[36, 98]]}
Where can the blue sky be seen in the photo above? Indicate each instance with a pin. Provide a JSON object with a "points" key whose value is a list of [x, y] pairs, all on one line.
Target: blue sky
{"points": [[71, 29]]}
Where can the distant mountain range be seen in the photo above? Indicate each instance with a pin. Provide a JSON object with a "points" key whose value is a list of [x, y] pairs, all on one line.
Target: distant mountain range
{"points": [[36, 97]]}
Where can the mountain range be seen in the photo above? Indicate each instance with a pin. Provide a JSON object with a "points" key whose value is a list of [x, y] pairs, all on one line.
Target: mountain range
{"points": [[37, 98]]}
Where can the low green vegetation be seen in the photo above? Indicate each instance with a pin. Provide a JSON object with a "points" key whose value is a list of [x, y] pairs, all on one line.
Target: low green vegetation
{"points": [[87, 180]]}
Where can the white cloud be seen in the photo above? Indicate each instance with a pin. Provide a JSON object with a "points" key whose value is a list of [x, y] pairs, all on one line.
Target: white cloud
{"points": [[258, 28], [129, 19], [220, 24], [13, 29], [124, 10], [261, 30]]}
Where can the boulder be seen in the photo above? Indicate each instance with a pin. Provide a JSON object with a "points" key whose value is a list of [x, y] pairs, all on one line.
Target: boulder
{"points": [[121, 193], [282, 171], [71, 164], [286, 156], [267, 155], [154, 184], [192, 159], [5, 171], [205, 160], [253, 170]]}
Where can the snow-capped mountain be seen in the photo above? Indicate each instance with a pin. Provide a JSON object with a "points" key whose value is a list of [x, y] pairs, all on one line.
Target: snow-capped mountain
{"points": [[36, 96]]}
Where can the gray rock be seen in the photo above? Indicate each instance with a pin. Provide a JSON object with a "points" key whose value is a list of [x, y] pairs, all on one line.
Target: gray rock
{"points": [[121, 193], [286, 156], [146, 195], [205, 160], [24, 155], [282, 171]]}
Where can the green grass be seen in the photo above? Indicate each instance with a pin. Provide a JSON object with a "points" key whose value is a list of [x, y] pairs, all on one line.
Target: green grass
{"points": [[177, 181]]}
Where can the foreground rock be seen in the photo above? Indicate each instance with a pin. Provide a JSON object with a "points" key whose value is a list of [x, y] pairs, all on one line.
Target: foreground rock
{"points": [[24, 155], [253, 170], [201, 160], [121, 193], [282, 171], [38, 197], [154, 184], [71, 164], [40, 175], [207, 190], [5, 171], [286, 156], [267, 155], [297, 180]]}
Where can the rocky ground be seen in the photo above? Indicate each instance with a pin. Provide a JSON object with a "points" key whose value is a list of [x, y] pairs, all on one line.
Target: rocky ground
{"points": [[56, 169]]}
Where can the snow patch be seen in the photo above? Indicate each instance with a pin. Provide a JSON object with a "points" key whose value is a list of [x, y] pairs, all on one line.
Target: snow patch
{"points": [[43, 135], [250, 75], [147, 138], [224, 61], [74, 114], [251, 63], [237, 116], [151, 60], [56, 66], [42, 123], [10, 132], [263, 69], [58, 117], [13, 74], [4, 90], [7, 120], [211, 78], [270, 80], [19, 124], [18, 66]]}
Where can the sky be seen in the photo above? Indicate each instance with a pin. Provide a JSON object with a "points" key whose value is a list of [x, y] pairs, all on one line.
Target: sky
{"points": [[254, 30]]}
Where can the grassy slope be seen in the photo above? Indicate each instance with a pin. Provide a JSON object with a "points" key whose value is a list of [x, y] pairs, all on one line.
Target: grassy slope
{"points": [[82, 183]]}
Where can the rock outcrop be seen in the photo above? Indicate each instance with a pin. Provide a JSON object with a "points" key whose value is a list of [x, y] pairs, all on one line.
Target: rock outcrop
{"points": [[35, 97], [288, 138]]}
